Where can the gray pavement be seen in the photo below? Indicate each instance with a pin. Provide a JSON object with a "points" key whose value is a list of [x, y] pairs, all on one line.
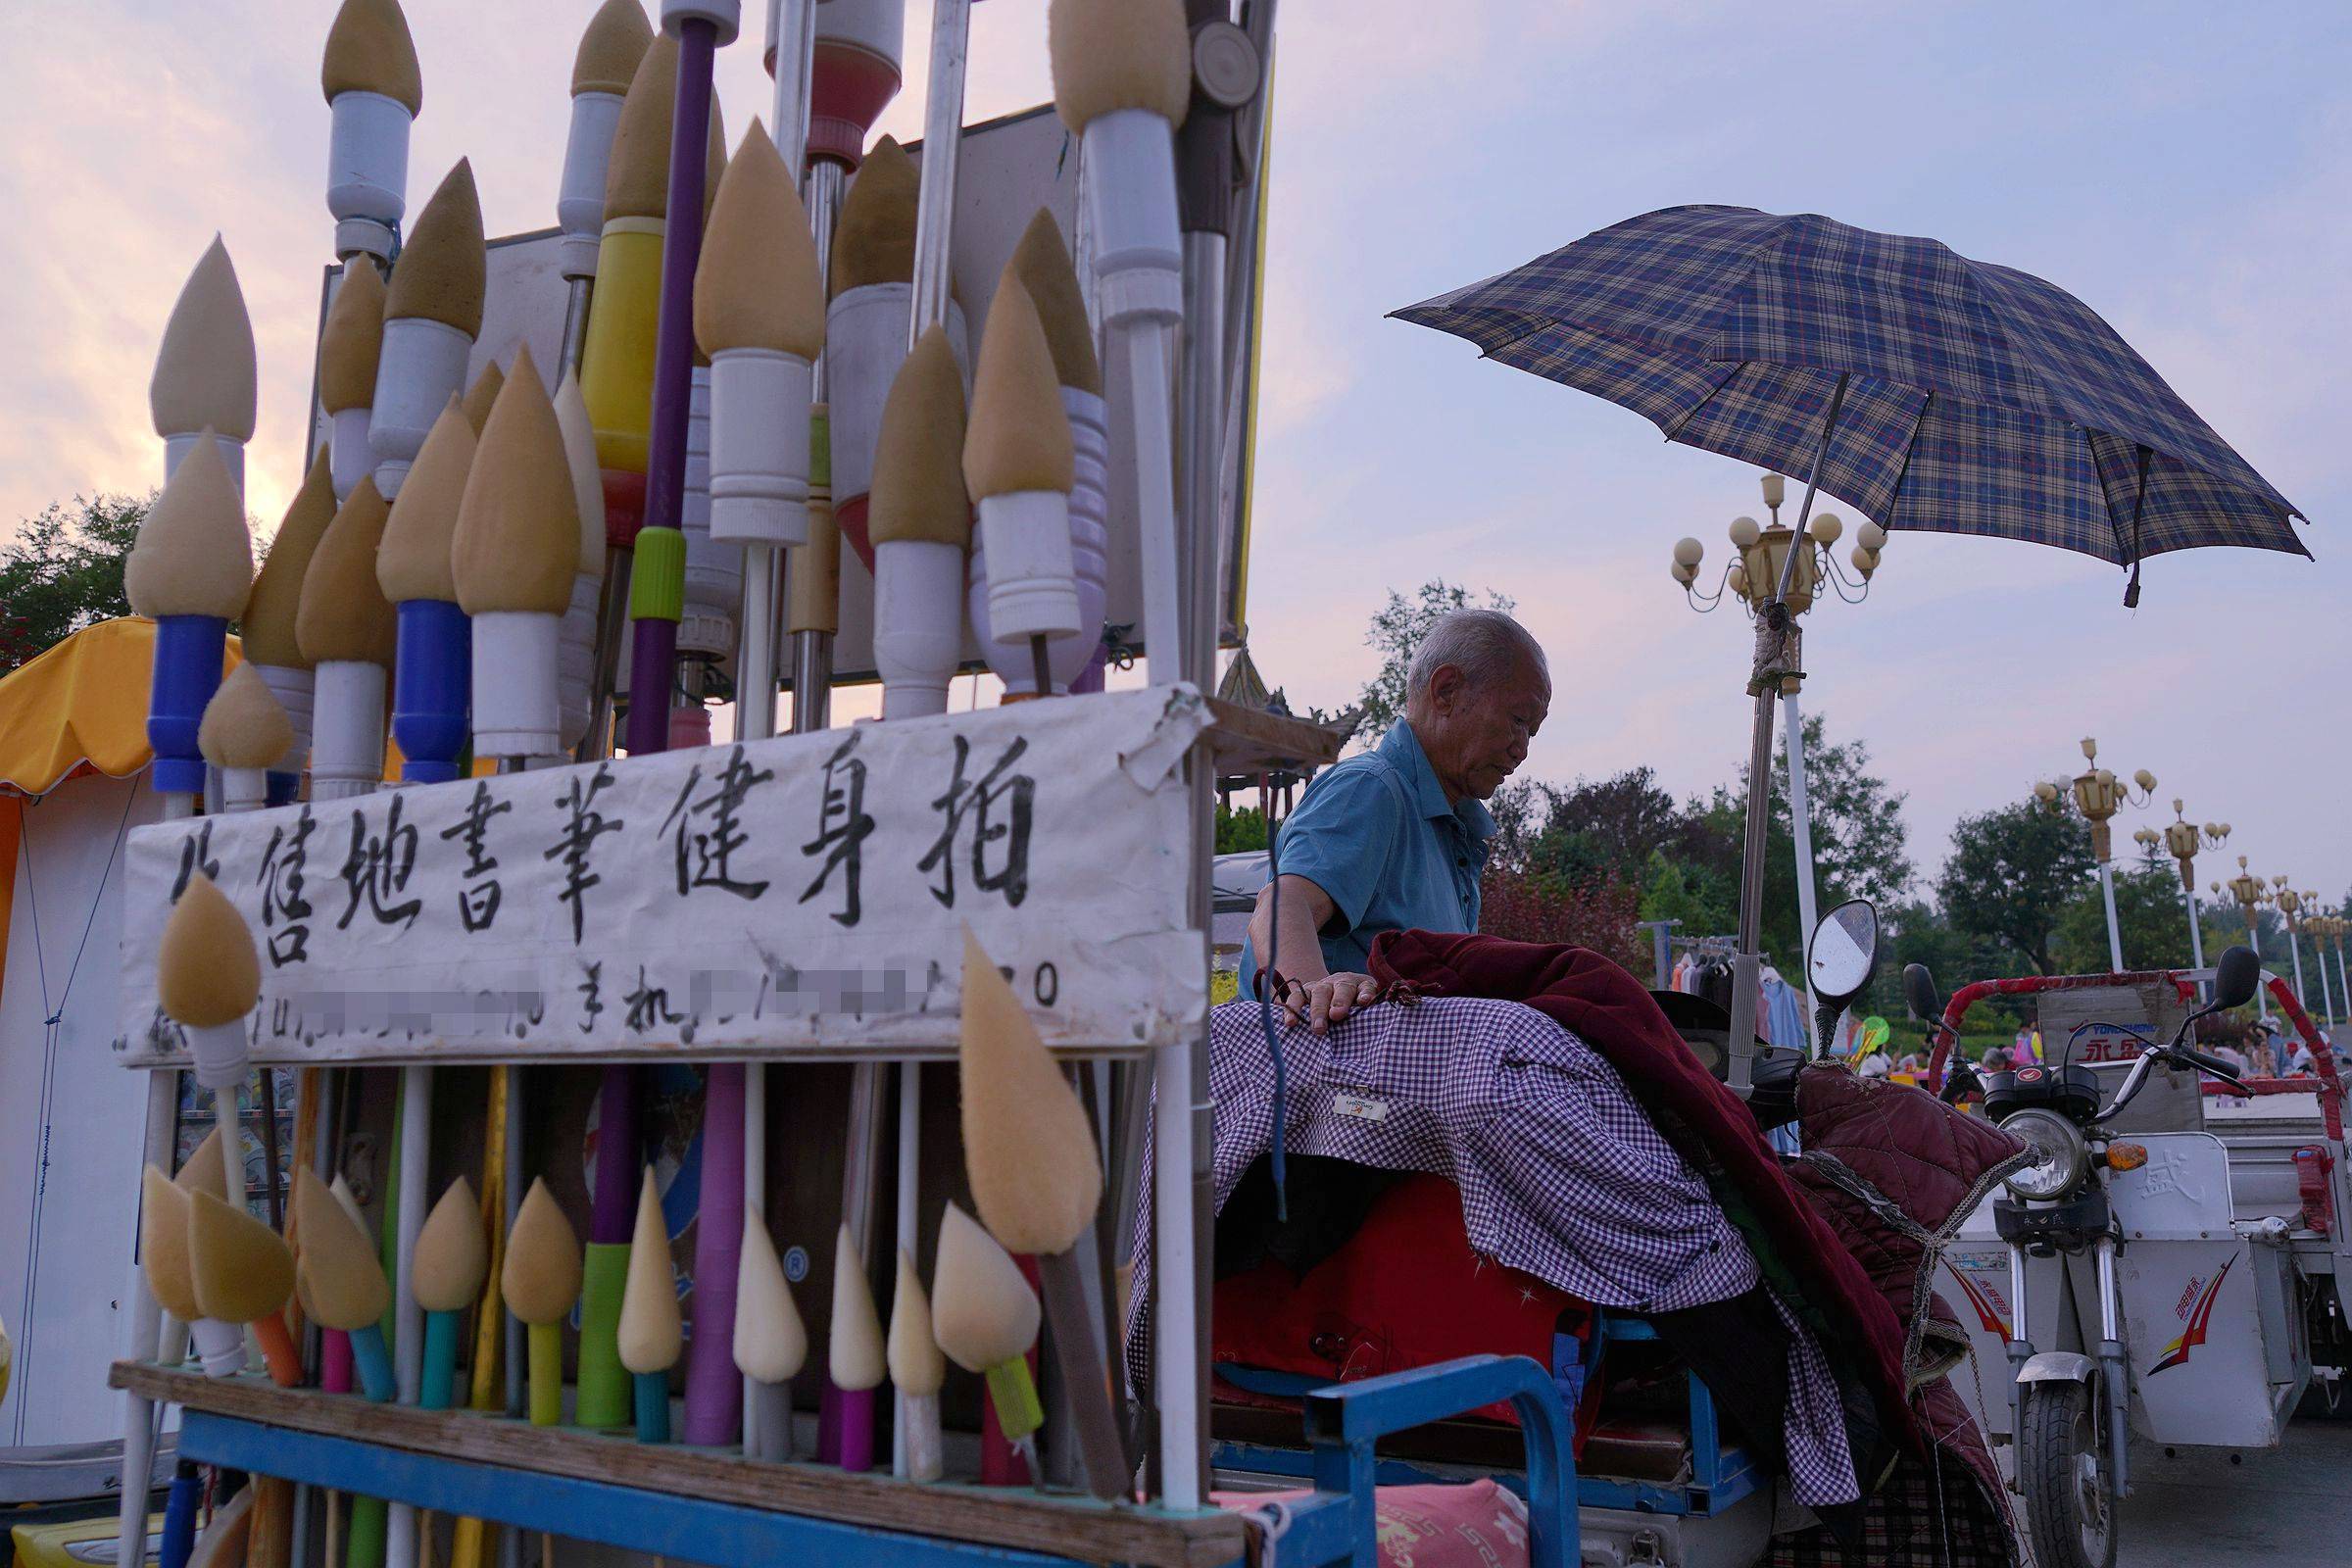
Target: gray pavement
{"points": [[2289, 1505]]}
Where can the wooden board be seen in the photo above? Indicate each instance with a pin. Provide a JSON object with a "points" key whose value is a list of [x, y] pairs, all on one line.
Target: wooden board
{"points": [[1075, 1527]]}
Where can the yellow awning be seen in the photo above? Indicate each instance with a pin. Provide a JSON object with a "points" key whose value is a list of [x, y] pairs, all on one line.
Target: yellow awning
{"points": [[81, 704]]}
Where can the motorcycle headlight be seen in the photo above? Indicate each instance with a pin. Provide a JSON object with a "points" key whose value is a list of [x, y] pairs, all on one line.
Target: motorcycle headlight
{"points": [[2059, 1154]]}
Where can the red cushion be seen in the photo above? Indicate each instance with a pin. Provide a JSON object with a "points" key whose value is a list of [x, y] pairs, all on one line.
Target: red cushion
{"points": [[1406, 1291]]}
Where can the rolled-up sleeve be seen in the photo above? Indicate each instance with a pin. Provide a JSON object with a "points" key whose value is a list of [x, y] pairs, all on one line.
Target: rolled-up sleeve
{"points": [[1341, 837]]}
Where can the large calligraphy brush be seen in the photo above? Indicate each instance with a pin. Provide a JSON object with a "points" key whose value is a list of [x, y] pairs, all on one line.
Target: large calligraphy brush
{"points": [[770, 1341], [870, 278], [541, 1281], [650, 1333], [243, 1273], [1037, 1180], [340, 1280], [1041, 264], [516, 551], [760, 315], [921, 523], [205, 384], [918, 1370], [374, 91], [453, 1257], [617, 357], [351, 349], [348, 631], [1122, 80], [267, 630], [1018, 462], [244, 734], [855, 1357], [433, 314], [614, 41], [431, 676], [191, 571], [985, 1316]]}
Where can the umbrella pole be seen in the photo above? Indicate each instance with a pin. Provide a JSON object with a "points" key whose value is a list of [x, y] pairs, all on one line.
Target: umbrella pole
{"points": [[1776, 657]]}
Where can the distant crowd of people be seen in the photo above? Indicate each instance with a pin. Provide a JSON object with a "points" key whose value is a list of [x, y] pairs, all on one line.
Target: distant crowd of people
{"points": [[2263, 1051]]}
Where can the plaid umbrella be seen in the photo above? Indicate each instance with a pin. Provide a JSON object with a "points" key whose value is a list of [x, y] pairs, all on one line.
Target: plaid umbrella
{"points": [[1979, 399]]}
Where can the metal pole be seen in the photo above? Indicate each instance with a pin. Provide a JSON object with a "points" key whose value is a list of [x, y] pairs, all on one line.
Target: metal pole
{"points": [[2262, 993], [1774, 629], [2319, 956], [2343, 985], [1800, 823], [2294, 949], [2115, 939], [934, 227]]}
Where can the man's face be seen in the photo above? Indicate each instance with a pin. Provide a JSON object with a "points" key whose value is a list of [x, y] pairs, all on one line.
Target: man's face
{"points": [[1477, 736]]}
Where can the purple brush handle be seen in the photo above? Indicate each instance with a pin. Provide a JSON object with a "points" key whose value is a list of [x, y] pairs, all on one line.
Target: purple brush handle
{"points": [[654, 651], [713, 1387], [652, 661], [614, 1219]]}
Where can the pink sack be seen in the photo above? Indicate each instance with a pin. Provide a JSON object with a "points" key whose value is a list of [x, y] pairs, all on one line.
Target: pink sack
{"points": [[1480, 1525]]}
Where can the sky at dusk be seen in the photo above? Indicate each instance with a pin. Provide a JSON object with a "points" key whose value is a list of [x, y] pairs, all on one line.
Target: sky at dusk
{"points": [[2186, 170]]}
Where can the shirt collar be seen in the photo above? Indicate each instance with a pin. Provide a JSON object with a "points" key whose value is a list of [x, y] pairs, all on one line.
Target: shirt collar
{"points": [[1402, 750]]}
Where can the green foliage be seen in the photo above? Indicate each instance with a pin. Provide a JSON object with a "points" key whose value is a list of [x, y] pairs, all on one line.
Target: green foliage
{"points": [[1240, 831], [1396, 630], [2013, 873], [64, 571], [2148, 913]]}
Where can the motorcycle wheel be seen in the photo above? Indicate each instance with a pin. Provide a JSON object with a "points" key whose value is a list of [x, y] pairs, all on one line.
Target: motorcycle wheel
{"points": [[2063, 1470]]}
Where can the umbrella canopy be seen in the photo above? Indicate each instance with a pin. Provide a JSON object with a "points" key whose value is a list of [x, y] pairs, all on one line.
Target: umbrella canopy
{"points": [[1980, 400]]}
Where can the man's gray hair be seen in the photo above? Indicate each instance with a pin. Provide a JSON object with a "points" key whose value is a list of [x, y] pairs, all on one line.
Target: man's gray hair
{"points": [[1485, 645]]}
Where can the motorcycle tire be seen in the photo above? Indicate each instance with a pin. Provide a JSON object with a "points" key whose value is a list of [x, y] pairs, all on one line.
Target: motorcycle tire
{"points": [[2063, 1471]]}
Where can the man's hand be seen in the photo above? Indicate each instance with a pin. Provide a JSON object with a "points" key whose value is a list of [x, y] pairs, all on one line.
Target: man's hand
{"points": [[1319, 1004]]}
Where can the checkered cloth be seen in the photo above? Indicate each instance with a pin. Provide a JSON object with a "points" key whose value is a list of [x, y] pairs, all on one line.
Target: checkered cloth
{"points": [[1982, 399], [1563, 1175]]}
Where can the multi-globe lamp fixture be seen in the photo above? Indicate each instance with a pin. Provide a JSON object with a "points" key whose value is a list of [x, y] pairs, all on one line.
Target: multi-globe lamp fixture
{"points": [[1759, 557], [2099, 795], [2182, 839]]}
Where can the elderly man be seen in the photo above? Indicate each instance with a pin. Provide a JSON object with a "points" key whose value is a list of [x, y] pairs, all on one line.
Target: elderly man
{"points": [[1395, 839]]}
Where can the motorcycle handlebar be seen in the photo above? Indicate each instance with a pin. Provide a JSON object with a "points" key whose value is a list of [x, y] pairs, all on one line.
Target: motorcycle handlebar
{"points": [[2212, 1064]]}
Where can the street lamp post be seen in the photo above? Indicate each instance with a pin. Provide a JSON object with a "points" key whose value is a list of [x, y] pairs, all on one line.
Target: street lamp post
{"points": [[2182, 838], [2291, 905], [1758, 554], [2319, 926], [2251, 895], [2338, 929], [2098, 796]]}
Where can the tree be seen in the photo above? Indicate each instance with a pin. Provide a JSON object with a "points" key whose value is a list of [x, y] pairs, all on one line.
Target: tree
{"points": [[64, 571], [2148, 913], [1240, 831], [1860, 846], [2013, 871], [1396, 630], [1597, 913]]}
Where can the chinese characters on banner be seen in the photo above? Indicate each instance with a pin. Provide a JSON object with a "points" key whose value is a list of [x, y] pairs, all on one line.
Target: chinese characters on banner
{"points": [[806, 894]]}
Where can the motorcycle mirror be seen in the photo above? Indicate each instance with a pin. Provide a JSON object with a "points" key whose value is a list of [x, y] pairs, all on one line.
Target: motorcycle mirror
{"points": [[1919, 991], [1844, 952], [2237, 977]]}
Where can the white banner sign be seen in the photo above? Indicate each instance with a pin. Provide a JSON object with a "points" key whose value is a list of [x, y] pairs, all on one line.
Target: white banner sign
{"points": [[804, 896]]}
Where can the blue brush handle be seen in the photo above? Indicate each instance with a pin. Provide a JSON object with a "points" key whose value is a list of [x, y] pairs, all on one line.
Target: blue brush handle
{"points": [[189, 650], [431, 681], [653, 1407], [373, 1362], [180, 1519], [434, 1393]]}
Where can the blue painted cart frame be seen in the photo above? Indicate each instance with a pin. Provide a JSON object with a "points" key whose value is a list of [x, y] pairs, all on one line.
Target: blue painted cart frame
{"points": [[1338, 1524]]}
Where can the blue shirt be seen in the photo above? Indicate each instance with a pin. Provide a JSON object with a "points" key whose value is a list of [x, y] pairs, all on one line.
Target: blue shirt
{"points": [[1378, 836]]}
